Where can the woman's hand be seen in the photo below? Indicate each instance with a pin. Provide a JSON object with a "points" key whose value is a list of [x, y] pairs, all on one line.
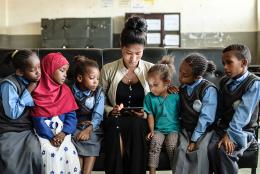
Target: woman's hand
{"points": [[84, 134], [116, 110], [173, 89], [58, 139], [139, 113]]}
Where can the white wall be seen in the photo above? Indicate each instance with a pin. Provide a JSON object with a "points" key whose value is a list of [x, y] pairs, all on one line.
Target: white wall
{"points": [[258, 15], [3, 17], [22, 17], [221, 15]]}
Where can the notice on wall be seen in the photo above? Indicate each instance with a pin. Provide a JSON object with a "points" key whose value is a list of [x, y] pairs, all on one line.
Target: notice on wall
{"points": [[138, 5], [153, 38], [171, 40], [107, 3], [150, 2], [153, 24], [171, 22], [124, 3]]}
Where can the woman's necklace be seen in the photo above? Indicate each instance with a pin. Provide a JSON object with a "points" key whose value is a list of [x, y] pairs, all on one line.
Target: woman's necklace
{"points": [[129, 82]]}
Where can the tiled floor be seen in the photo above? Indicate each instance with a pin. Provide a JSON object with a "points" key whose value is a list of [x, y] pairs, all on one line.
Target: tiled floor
{"points": [[248, 171], [241, 171]]}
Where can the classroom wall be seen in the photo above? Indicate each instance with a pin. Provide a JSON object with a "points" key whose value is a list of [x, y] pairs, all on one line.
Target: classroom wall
{"points": [[3, 17], [258, 34], [204, 23], [3, 23]]}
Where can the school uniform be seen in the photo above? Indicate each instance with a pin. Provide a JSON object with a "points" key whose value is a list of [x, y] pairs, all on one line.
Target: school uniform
{"points": [[238, 113], [19, 146], [63, 158], [91, 108], [54, 112], [198, 108]]}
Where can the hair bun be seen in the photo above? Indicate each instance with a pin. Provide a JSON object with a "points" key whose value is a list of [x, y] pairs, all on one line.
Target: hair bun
{"points": [[136, 23], [79, 59], [211, 66]]}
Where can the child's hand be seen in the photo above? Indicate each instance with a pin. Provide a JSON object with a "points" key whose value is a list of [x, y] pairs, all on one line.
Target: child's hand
{"points": [[31, 87], [58, 139], [85, 134], [192, 147], [173, 89], [227, 143], [85, 122], [54, 143], [150, 135]]}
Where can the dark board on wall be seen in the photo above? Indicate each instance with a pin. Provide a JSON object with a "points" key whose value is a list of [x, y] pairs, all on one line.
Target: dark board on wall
{"points": [[77, 33]]}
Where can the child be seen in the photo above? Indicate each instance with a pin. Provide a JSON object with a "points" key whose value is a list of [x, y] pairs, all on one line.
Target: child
{"points": [[54, 116], [19, 146], [163, 112], [239, 98], [198, 107], [90, 99]]}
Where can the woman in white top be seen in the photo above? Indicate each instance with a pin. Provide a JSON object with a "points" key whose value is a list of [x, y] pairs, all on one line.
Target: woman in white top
{"points": [[125, 85]]}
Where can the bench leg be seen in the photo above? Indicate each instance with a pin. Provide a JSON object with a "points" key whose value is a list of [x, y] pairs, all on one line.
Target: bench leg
{"points": [[253, 170]]}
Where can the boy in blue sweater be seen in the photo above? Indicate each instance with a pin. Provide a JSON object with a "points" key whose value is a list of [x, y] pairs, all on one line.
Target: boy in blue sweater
{"points": [[239, 98]]}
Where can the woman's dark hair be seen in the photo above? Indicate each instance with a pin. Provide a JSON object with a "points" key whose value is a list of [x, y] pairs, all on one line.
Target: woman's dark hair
{"points": [[18, 58], [81, 63], [241, 51], [199, 64], [164, 68], [134, 31]]}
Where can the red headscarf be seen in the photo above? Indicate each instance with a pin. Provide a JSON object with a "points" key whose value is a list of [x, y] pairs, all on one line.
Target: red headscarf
{"points": [[50, 98]]}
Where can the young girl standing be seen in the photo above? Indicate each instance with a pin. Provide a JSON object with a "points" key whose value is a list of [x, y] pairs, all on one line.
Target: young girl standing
{"points": [[163, 112], [91, 102], [198, 108], [19, 146], [54, 117]]}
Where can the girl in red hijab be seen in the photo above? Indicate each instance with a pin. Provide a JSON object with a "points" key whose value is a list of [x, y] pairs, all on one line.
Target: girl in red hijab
{"points": [[54, 116]]}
